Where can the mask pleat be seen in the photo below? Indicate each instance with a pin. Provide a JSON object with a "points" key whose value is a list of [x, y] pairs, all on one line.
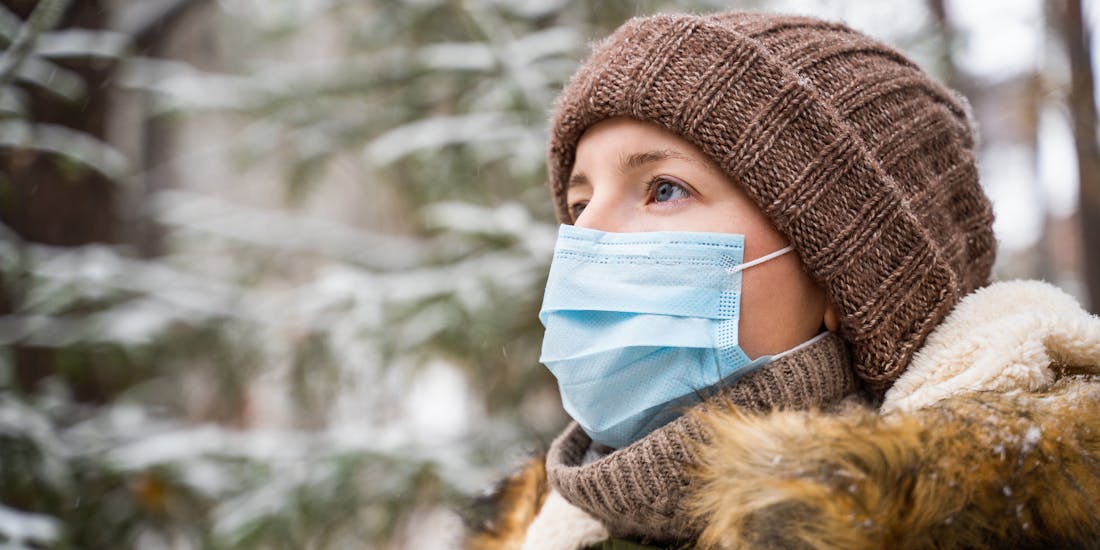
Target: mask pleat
{"points": [[640, 325]]}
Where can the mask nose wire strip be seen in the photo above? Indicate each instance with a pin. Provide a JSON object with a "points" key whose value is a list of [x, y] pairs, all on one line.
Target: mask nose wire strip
{"points": [[761, 259]]}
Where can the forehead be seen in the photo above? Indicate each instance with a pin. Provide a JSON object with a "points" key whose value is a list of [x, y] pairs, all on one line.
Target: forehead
{"points": [[625, 144]]}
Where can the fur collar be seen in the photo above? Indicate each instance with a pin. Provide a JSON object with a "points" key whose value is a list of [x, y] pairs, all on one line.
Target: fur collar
{"points": [[1009, 336], [983, 470], [990, 439]]}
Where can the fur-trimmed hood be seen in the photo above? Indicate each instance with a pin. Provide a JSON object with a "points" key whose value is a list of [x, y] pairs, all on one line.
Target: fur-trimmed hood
{"points": [[990, 439]]}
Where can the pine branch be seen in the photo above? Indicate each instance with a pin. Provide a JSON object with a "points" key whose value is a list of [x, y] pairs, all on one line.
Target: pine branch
{"points": [[44, 17]]}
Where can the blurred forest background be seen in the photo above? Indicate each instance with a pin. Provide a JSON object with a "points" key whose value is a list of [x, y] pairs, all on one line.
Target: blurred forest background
{"points": [[270, 269]]}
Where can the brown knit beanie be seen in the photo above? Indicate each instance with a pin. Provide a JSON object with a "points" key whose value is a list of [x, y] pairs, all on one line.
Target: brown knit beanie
{"points": [[859, 158]]}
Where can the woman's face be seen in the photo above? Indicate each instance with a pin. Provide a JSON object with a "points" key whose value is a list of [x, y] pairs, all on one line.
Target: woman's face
{"points": [[633, 176]]}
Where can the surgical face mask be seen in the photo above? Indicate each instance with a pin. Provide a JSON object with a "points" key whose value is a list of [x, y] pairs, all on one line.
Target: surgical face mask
{"points": [[641, 325]]}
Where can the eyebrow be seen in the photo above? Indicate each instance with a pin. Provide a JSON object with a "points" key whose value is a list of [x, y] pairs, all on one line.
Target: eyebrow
{"points": [[635, 161]]}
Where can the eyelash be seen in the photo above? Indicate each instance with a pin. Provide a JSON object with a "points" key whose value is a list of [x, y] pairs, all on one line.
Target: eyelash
{"points": [[576, 209], [650, 189]]}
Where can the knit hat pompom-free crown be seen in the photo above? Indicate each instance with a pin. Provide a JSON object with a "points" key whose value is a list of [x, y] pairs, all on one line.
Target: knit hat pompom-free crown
{"points": [[864, 162]]}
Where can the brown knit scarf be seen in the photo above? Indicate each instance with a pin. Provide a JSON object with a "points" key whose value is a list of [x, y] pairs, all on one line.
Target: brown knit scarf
{"points": [[639, 490]]}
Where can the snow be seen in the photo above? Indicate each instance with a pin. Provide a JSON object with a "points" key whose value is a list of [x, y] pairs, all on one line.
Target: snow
{"points": [[82, 43], [20, 528], [437, 132], [417, 409], [179, 86], [1031, 438], [462, 56], [530, 8], [553, 41], [17, 419], [438, 402], [79, 146], [192, 212]]}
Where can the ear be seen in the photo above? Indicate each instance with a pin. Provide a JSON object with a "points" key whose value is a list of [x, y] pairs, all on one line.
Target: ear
{"points": [[832, 322]]}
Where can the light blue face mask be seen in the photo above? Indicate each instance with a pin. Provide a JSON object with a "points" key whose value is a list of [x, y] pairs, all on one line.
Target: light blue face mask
{"points": [[641, 325]]}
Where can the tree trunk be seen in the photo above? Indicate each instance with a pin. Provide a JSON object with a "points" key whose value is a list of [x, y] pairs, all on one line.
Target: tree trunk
{"points": [[1082, 107], [948, 41], [45, 198]]}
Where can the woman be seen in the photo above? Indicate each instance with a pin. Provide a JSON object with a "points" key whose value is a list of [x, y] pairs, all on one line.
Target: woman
{"points": [[769, 312]]}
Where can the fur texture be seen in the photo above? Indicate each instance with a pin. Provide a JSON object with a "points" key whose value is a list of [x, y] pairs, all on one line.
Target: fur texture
{"points": [[1005, 456], [986, 470], [973, 447], [517, 500], [1003, 337], [562, 526]]}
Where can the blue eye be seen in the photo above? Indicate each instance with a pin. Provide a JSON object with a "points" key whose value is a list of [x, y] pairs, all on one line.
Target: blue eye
{"points": [[665, 190]]}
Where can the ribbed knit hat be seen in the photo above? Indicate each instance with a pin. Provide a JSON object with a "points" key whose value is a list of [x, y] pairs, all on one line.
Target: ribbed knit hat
{"points": [[857, 156]]}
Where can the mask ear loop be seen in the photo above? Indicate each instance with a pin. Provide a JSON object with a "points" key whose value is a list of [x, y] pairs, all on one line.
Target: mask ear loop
{"points": [[740, 268], [760, 260]]}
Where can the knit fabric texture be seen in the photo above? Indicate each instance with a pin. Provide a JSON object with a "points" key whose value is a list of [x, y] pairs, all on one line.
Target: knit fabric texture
{"points": [[860, 159], [639, 491]]}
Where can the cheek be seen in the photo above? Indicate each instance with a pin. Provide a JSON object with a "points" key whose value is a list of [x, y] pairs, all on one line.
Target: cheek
{"points": [[711, 218], [781, 306], [739, 215], [769, 287], [784, 284]]}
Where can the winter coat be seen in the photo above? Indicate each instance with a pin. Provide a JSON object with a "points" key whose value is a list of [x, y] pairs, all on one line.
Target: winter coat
{"points": [[991, 439]]}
